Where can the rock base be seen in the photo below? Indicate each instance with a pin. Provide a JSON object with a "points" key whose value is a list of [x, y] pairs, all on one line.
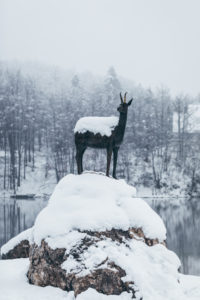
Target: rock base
{"points": [[46, 265]]}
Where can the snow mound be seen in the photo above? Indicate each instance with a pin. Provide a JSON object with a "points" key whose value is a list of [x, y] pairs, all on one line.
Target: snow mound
{"points": [[96, 203], [25, 235], [102, 125]]}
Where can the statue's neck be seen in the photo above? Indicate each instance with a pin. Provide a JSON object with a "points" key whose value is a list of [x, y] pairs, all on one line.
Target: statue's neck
{"points": [[122, 124], [122, 119]]}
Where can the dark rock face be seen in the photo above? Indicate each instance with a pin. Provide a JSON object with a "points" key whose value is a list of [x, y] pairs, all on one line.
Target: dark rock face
{"points": [[19, 251], [118, 235], [46, 265], [45, 269], [139, 234], [105, 281]]}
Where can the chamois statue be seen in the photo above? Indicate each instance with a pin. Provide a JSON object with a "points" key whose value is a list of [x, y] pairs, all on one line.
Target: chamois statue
{"points": [[101, 132]]}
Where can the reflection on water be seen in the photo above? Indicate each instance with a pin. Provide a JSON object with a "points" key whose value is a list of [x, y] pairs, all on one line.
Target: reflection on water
{"points": [[182, 222], [17, 215], [183, 231]]}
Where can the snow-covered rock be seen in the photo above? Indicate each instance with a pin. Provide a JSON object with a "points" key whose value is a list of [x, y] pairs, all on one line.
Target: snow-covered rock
{"points": [[95, 233], [81, 260], [101, 125], [17, 247]]}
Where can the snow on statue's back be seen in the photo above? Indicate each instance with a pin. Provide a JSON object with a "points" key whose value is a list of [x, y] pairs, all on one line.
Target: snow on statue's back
{"points": [[101, 125]]}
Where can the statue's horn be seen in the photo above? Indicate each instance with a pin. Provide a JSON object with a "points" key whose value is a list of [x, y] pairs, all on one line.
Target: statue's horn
{"points": [[121, 98], [125, 97]]}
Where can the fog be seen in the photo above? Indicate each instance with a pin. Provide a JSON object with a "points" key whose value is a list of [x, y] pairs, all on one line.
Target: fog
{"points": [[152, 42]]}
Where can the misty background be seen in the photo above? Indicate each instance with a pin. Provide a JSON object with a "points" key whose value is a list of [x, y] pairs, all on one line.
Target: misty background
{"points": [[151, 42]]}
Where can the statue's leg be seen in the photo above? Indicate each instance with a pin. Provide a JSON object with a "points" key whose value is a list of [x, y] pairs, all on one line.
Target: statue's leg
{"points": [[81, 158], [78, 159], [109, 155], [115, 155]]}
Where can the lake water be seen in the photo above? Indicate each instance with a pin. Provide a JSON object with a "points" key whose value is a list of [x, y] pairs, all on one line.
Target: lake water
{"points": [[182, 222]]}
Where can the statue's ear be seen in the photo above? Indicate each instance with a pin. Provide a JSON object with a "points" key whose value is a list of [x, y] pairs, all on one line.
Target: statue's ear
{"points": [[129, 102], [121, 98]]}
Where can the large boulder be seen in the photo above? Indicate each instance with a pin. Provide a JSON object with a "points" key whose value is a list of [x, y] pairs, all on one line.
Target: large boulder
{"points": [[95, 234], [62, 267]]}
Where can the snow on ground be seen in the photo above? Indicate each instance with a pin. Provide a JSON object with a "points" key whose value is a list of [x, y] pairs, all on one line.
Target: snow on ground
{"points": [[102, 125], [35, 182], [14, 286], [24, 235], [98, 203], [191, 286], [14, 283]]}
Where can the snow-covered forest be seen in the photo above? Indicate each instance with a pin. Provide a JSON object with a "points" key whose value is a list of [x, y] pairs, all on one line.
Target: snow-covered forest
{"points": [[40, 104]]}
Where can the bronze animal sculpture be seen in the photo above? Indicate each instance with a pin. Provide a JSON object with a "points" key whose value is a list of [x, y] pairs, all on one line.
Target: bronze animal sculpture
{"points": [[87, 136]]}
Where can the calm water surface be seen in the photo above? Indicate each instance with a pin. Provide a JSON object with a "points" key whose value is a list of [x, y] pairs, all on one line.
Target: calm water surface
{"points": [[182, 222]]}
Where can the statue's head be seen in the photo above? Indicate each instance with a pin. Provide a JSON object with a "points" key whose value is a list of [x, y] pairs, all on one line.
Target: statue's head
{"points": [[124, 105]]}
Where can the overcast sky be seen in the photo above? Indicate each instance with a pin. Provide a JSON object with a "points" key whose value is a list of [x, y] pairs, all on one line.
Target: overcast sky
{"points": [[152, 42]]}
